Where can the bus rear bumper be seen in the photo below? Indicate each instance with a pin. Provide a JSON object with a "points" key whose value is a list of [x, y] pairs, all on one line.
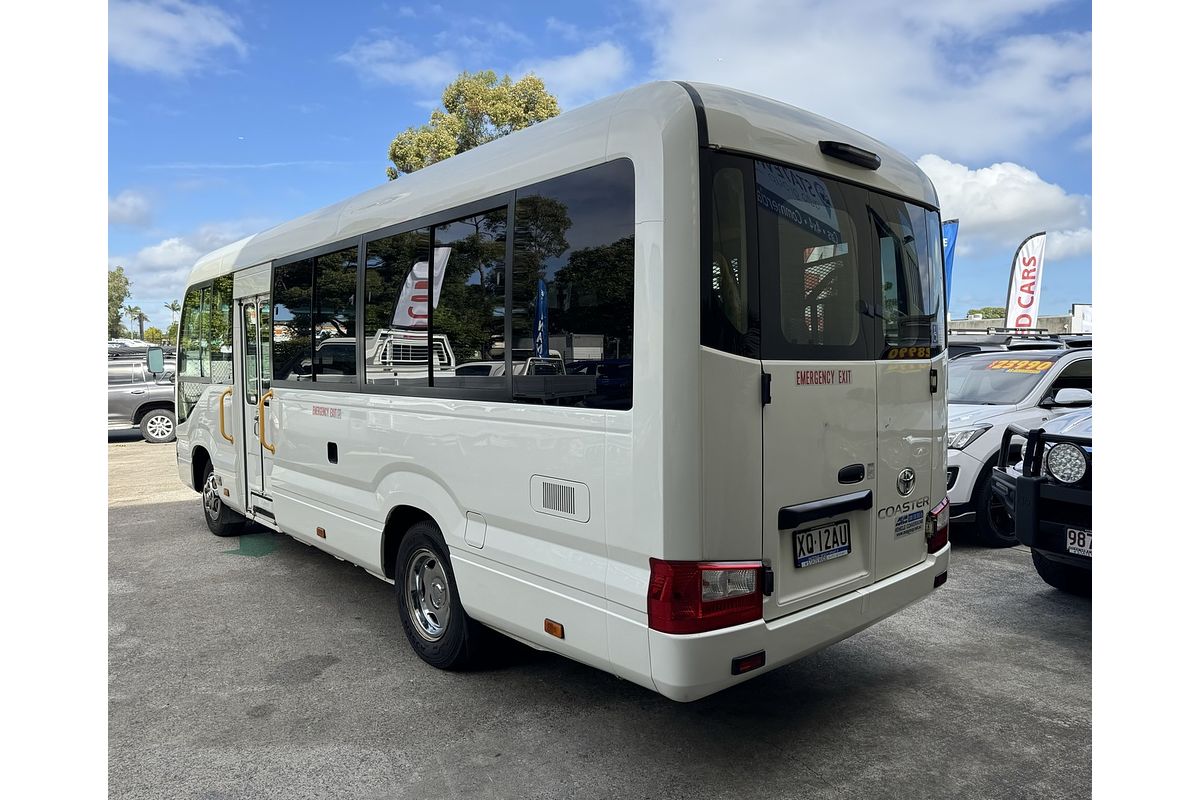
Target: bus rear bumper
{"points": [[689, 667]]}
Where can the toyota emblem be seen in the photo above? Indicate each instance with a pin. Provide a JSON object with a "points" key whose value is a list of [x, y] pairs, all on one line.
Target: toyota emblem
{"points": [[906, 481]]}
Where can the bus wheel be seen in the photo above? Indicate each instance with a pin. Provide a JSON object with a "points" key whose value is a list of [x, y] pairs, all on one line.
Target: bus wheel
{"points": [[435, 623], [222, 520]]}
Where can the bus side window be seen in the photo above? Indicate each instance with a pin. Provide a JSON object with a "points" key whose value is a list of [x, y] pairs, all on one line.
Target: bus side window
{"points": [[572, 293]]}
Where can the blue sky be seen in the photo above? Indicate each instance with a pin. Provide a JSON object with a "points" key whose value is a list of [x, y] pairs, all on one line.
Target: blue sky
{"points": [[225, 118]]}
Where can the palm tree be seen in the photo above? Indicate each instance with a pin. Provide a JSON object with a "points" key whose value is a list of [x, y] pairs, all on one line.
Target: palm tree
{"points": [[174, 307], [135, 315], [131, 312]]}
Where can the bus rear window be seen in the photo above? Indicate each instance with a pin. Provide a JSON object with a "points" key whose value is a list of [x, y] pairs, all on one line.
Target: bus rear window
{"points": [[815, 277], [910, 260]]}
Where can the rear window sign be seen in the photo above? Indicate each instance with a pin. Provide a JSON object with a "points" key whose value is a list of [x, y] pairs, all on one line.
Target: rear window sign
{"points": [[909, 352], [1021, 367]]}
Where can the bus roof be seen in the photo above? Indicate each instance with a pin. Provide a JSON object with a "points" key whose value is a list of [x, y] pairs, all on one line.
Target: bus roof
{"points": [[735, 120]]}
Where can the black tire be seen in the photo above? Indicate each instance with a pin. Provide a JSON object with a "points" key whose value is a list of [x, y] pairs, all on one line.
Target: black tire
{"points": [[158, 426], [434, 621], [1074, 580], [993, 525], [222, 520]]}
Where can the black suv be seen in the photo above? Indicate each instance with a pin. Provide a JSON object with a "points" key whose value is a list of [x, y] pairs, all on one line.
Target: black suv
{"points": [[1049, 494]]}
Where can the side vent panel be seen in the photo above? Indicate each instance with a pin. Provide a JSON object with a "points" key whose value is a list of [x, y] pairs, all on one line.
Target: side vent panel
{"points": [[560, 498]]}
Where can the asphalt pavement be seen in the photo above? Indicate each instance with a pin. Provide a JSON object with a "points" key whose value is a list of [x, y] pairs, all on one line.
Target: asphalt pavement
{"points": [[258, 667]]}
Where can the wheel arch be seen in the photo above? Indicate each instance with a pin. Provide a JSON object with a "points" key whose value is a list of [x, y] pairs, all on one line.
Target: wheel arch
{"points": [[200, 460], [399, 520], [154, 405]]}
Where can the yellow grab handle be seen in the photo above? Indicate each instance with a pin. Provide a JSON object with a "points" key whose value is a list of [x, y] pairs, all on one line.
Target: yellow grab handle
{"points": [[262, 421], [227, 393]]}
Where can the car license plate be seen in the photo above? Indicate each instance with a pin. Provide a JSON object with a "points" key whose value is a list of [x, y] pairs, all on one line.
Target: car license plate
{"points": [[822, 543], [1079, 542]]}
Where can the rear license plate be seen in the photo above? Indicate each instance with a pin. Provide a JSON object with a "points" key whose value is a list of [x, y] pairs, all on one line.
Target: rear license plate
{"points": [[825, 542], [1079, 542]]}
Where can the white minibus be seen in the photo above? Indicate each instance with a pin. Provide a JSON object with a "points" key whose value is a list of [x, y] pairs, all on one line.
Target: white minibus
{"points": [[740, 458]]}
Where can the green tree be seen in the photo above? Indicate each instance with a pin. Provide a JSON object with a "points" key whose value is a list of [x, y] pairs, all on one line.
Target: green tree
{"points": [[988, 312], [118, 292], [132, 312], [479, 107], [173, 307], [154, 335]]}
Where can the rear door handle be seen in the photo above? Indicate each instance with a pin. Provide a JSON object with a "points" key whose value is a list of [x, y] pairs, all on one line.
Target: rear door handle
{"points": [[137, 391]]}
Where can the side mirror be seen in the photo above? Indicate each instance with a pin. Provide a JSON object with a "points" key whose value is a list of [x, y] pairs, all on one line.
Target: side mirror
{"points": [[154, 360], [1072, 397]]}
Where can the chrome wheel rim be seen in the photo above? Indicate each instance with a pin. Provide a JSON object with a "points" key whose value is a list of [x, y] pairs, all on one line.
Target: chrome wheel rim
{"points": [[159, 426], [211, 497], [427, 594]]}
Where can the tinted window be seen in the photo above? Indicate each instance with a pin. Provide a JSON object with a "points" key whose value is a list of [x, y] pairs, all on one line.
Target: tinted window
{"points": [[816, 275], [189, 334], [573, 286], [335, 356], [468, 295], [291, 344], [910, 261], [218, 331], [726, 294], [397, 310]]}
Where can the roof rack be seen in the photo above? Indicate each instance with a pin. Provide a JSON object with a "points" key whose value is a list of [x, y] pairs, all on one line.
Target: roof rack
{"points": [[1034, 331]]}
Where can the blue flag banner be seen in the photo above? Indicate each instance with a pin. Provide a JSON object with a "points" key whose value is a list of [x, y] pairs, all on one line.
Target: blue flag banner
{"points": [[949, 237], [541, 337]]}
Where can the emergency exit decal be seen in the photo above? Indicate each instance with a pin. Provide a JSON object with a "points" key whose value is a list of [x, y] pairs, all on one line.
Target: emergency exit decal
{"points": [[824, 377]]}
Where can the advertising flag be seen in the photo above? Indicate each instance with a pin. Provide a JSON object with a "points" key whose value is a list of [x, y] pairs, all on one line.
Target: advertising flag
{"points": [[1025, 283], [413, 309], [949, 237], [541, 340]]}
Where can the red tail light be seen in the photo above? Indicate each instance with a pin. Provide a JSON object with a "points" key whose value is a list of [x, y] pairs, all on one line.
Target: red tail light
{"points": [[937, 526], [696, 596]]}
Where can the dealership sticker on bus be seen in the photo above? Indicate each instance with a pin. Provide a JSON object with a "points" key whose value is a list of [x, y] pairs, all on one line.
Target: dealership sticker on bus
{"points": [[910, 523], [1021, 367]]}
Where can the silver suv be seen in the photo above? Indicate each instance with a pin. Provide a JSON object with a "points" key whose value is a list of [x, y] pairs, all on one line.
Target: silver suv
{"points": [[137, 398]]}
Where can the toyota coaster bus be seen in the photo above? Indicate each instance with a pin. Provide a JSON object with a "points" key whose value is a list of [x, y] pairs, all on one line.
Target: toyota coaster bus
{"points": [[741, 459]]}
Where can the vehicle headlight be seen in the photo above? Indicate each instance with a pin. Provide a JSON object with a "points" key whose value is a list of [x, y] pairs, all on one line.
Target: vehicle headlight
{"points": [[959, 440], [1066, 463]]}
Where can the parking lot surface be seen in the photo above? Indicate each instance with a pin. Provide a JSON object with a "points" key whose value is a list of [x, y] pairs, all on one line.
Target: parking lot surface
{"points": [[259, 667]]}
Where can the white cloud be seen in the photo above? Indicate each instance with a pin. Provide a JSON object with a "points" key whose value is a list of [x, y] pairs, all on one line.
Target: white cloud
{"points": [[564, 30], [158, 272], [393, 61], [1004, 203], [129, 208], [941, 76], [583, 76], [170, 37], [1068, 244]]}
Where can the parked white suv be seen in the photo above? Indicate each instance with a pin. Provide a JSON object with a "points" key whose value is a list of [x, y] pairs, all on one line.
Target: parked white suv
{"points": [[987, 393]]}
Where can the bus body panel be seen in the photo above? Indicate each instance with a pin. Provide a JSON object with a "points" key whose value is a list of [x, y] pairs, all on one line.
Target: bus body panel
{"points": [[760, 126], [689, 667], [906, 441], [658, 131], [821, 419], [731, 498]]}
